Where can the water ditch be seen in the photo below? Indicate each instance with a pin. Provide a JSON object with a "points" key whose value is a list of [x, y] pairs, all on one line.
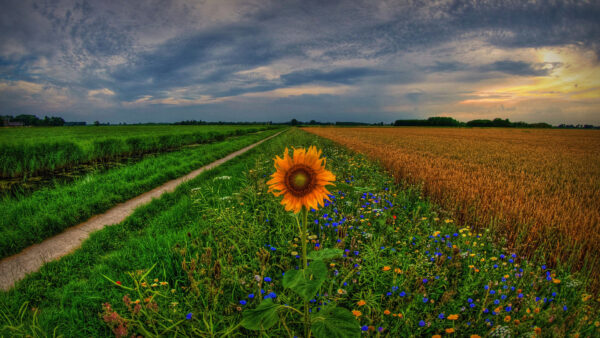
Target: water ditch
{"points": [[15, 187]]}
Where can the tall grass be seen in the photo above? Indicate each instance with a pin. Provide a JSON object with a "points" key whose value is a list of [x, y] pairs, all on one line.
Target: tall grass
{"points": [[46, 212], [42, 149], [539, 189]]}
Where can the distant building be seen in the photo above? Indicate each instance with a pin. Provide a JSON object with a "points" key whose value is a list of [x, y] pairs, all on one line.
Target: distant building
{"points": [[8, 123]]}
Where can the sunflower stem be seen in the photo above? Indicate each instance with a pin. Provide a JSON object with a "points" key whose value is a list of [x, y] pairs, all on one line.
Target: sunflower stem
{"points": [[305, 263]]}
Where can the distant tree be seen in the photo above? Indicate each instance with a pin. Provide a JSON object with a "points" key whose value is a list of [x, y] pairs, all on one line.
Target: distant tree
{"points": [[294, 122], [96, 123]]}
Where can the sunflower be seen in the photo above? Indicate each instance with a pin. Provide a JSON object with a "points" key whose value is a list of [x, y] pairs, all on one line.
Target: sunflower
{"points": [[301, 179]]}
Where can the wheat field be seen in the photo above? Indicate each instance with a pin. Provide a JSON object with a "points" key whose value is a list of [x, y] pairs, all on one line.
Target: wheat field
{"points": [[539, 189]]}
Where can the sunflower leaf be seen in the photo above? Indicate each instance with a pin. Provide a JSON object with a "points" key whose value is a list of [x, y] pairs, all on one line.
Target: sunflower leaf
{"points": [[306, 282], [334, 322], [324, 254], [261, 318]]}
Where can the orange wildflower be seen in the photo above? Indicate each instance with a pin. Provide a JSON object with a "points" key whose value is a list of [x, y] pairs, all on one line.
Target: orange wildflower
{"points": [[507, 319], [450, 330], [386, 268], [452, 317], [356, 313], [361, 302], [386, 312], [301, 179]]}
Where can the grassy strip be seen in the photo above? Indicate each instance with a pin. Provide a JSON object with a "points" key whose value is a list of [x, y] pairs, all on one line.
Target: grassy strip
{"points": [[221, 238], [46, 149], [48, 211]]}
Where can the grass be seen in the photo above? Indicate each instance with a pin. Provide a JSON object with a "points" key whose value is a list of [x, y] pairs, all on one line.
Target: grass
{"points": [[536, 188], [196, 258], [28, 151], [31, 219]]}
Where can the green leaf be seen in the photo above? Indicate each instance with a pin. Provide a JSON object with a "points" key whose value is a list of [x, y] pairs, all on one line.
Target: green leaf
{"points": [[324, 254], [261, 318], [334, 322], [306, 282]]}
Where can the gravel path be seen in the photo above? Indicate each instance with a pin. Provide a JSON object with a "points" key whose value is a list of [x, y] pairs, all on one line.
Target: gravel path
{"points": [[16, 267]]}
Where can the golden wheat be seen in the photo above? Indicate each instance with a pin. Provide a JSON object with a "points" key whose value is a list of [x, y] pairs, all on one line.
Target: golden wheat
{"points": [[538, 188]]}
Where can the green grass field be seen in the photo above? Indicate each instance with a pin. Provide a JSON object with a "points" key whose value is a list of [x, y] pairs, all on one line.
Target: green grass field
{"points": [[26, 151], [194, 262], [30, 219]]}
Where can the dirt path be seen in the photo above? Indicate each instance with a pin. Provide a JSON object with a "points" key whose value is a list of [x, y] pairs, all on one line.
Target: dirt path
{"points": [[16, 267]]}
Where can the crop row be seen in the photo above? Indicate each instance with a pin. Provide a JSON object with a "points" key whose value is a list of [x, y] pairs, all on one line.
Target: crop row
{"points": [[538, 189], [30, 219], [46, 150]]}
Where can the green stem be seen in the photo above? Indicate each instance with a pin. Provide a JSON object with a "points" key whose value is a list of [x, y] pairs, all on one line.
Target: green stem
{"points": [[304, 262]]}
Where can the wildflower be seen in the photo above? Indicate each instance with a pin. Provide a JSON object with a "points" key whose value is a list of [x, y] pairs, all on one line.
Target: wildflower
{"points": [[301, 179], [475, 336], [386, 312], [386, 268], [507, 319], [537, 330], [436, 336], [242, 302], [251, 296], [361, 302], [421, 323], [453, 317], [118, 282], [364, 328], [356, 313], [397, 270], [441, 316], [267, 279], [163, 283], [450, 330], [188, 316]]}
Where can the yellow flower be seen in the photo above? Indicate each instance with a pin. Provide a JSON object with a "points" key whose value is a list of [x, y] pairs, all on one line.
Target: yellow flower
{"points": [[301, 179], [386, 268], [356, 313], [555, 281], [361, 302], [450, 330], [436, 233], [452, 317], [507, 319]]}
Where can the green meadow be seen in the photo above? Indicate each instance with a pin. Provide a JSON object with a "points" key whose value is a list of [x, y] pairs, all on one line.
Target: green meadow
{"points": [[211, 259], [26, 151]]}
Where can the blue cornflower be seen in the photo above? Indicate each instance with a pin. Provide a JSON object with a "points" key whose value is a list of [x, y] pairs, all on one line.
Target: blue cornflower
{"points": [[508, 308], [441, 316], [492, 292], [424, 280], [470, 300], [472, 305], [364, 328], [520, 295], [497, 301], [564, 308], [242, 302], [421, 323], [251, 296], [402, 294], [425, 299], [268, 279], [188, 316]]}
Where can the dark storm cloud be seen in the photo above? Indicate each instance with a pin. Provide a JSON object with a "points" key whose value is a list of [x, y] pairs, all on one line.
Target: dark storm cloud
{"points": [[516, 68], [163, 48], [342, 76]]}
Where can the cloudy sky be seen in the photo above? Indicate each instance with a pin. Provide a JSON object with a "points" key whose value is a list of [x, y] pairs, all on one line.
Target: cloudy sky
{"points": [[370, 61]]}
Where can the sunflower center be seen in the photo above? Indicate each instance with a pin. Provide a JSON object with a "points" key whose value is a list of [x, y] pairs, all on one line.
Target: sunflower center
{"points": [[300, 180]]}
